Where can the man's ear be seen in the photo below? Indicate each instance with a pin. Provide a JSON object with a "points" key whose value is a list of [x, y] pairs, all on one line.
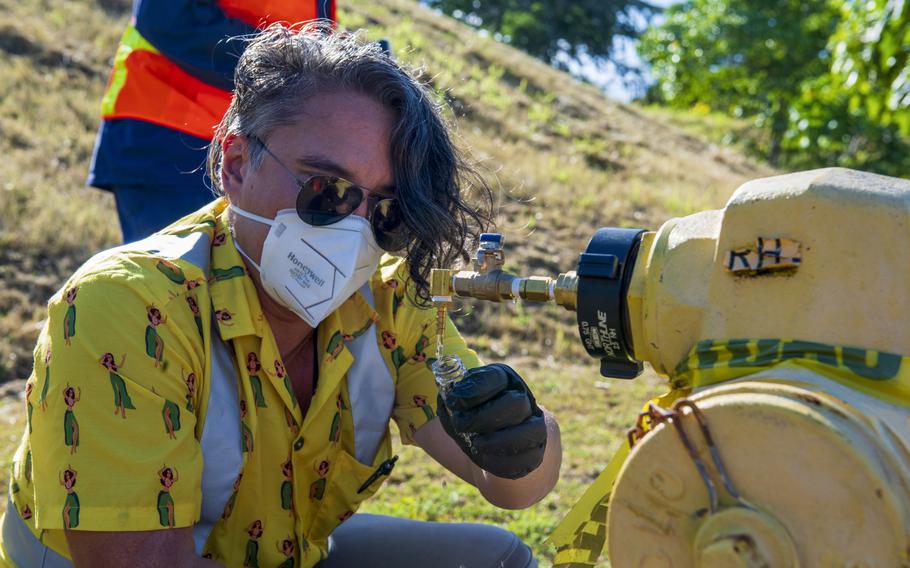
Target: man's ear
{"points": [[234, 164]]}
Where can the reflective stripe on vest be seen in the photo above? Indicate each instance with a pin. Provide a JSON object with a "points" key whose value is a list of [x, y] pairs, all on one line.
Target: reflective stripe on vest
{"points": [[146, 85]]}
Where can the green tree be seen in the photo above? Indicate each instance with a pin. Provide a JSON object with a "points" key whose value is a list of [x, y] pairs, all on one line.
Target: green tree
{"points": [[548, 29], [742, 57], [826, 128], [872, 58]]}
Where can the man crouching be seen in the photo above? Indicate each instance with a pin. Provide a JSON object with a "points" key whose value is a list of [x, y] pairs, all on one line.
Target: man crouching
{"points": [[220, 393]]}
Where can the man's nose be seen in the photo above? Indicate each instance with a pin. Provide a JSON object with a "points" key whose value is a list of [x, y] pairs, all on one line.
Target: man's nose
{"points": [[363, 210]]}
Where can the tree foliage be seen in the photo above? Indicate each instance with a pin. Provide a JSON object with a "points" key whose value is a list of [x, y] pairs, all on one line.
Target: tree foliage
{"points": [[550, 29], [743, 57], [803, 70], [872, 58]]}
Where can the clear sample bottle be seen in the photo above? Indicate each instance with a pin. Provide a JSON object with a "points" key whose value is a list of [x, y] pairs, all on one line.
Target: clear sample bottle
{"points": [[448, 370]]}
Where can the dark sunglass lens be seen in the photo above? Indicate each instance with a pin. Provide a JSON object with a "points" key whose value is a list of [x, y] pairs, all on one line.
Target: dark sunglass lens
{"points": [[324, 200], [388, 225]]}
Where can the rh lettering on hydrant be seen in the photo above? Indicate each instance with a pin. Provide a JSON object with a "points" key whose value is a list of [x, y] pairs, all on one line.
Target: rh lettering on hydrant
{"points": [[768, 254]]}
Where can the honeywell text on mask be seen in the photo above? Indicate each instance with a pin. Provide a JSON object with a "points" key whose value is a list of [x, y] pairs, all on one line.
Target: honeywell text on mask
{"points": [[305, 275]]}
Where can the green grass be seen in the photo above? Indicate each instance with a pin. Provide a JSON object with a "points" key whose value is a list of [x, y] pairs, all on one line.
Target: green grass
{"points": [[722, 130], [53, 67], [12, 421], [563, 159]]}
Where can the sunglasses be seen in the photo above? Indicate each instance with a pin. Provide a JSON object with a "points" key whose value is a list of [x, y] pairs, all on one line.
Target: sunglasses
{"points": [[323, 200]]}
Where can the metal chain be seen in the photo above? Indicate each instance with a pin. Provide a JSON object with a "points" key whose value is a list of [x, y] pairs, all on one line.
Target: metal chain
{"points": [[656, 415]]}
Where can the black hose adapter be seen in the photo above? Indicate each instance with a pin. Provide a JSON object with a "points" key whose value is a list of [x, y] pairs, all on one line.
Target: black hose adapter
{"points": [[604, 271]]}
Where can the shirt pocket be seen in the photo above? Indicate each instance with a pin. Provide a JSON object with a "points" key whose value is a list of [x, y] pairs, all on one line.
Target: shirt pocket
{"points": [[350, 484]]}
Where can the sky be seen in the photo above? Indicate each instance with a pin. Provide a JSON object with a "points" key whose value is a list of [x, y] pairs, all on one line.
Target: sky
{"points": [[606, 76], [609, 79]]}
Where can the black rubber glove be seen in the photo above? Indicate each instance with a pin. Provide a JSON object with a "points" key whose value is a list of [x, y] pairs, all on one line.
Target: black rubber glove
{"points": [[492, 415]]}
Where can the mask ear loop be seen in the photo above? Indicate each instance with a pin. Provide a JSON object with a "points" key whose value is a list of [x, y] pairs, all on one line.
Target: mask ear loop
{"points": [[246, 256], [254, 217]]}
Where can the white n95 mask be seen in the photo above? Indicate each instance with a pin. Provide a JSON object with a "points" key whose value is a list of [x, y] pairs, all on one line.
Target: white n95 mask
{"points": [[312, 270]]}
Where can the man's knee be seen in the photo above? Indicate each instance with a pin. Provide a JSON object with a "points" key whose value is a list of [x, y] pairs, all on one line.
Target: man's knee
{"points": [[381, 541], [515, 553]]}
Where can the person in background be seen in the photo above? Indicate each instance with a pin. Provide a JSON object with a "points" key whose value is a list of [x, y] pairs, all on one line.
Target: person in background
{"points": [[223, 392], [170, 85]]}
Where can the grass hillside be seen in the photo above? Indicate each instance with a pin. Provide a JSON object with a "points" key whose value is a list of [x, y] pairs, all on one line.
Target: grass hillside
{"points": [[564, 159]]}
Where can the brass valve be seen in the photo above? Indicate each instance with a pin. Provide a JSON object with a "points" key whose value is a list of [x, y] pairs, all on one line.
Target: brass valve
{"points": [[488, 281], [565, 290]]}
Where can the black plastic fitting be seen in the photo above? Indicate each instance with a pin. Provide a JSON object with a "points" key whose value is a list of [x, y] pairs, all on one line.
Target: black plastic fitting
{"points": [[604, 271]]}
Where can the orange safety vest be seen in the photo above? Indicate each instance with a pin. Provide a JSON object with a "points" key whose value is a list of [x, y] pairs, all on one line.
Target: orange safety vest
{"points": [[146, 85]]}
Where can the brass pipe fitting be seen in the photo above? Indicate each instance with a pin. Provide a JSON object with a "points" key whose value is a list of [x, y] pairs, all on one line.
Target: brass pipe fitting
{"points": [[441, 290], [488, 281], [501, 286], [493, 285], [535, 288], [565, 291]]}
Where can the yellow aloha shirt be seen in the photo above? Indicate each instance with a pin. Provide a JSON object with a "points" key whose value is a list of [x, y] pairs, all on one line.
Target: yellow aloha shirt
{"points": [[119, 395]]}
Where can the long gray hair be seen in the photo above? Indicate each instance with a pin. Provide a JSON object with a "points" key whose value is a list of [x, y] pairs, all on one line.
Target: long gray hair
{"points": [[283, 66]]}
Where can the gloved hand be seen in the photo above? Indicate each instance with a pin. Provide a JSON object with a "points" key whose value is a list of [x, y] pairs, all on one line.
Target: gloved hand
{"points": [[492, 415]]}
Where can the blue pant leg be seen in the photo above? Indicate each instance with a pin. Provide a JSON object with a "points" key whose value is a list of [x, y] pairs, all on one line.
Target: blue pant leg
{"points": [[144, 210]]}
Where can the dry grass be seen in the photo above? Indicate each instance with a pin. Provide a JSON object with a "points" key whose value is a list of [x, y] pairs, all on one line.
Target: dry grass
{"points": [[564, 159], [53, 69]]}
